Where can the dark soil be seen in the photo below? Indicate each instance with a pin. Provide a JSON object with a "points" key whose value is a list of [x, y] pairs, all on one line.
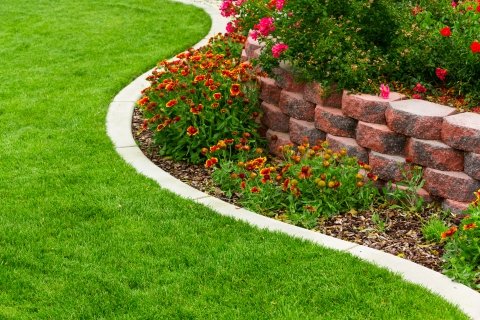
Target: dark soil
{"points": [[392, 231]]}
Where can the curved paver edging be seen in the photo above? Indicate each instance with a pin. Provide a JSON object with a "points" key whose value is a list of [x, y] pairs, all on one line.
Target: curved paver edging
{"points": [[119, 119]]}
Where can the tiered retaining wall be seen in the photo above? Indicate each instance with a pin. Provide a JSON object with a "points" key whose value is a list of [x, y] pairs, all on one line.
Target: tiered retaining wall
{"points": [[381, 132]]}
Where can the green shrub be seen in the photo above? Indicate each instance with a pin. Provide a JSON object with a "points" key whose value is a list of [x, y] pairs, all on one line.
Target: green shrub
{"points": [[200, 98], [358, 45], [462, 250]]}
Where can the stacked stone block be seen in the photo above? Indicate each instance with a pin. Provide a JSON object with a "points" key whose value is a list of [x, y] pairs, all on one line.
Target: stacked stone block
{"points": [[386, 133]]}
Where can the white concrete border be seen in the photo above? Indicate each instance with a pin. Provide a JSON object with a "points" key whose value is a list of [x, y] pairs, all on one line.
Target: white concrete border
{"points": [[119, 119]]}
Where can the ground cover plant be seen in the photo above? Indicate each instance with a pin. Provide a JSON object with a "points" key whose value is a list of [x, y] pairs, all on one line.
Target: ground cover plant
{"points": [[427, 49], [82, 235]]}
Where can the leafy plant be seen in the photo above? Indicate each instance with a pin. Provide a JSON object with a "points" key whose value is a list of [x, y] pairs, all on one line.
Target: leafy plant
{"points": [[462, 250], [201, 97], [308, 183], [378, 221], [404, 194], [433, 228]]}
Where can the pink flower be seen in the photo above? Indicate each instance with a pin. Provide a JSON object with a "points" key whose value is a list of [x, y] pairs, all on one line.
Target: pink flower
{"points": [[278, 49], [454, 4], [384, 91], [419, 88], [265, 27], [254, 35], [279, 4], [238, 3], [227, 9], [231, 27], [441, 73]]}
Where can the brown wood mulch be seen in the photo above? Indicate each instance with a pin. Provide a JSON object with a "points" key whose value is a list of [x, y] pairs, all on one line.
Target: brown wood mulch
{"points": [[395, 232]]}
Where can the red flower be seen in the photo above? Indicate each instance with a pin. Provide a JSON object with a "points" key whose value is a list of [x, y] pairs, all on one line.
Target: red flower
{"points": [[371, 176], [417, 96], [214, 148], [475, 46], [235, 90], [211, 162], [445, 31], [217, 96], [191, 131], [419, 88], [450, 232], [196, 110], [441, 73], [171, 103], [199, 78], [255, 190], [305, 173]]}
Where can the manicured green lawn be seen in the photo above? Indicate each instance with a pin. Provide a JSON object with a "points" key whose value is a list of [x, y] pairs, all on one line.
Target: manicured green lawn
{"points": [[83, 236]]}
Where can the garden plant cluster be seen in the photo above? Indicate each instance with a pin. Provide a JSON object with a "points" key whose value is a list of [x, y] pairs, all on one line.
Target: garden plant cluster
{"points": [[424, 48], [202, 106]]}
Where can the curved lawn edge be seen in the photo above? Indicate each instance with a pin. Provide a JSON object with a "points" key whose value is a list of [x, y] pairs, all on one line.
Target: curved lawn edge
{"points": [[118, 125]]}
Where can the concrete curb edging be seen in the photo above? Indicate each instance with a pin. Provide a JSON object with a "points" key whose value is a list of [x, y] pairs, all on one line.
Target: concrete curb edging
{"points": [[118, 123]]}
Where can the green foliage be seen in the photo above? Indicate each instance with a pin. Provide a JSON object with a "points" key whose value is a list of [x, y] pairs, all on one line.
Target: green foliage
{"points": [[404, 194], [433, 229], [310, 182], [358, 45], [462, 251], [201, 97]]}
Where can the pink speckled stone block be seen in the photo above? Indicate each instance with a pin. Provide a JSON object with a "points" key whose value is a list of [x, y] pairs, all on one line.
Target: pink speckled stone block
{"points": [[462, 131], [452, 185], [366, 107], [417, 118]]}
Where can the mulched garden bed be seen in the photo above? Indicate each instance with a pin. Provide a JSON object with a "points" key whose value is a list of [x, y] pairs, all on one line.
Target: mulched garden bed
{"points": [[396, 232]]}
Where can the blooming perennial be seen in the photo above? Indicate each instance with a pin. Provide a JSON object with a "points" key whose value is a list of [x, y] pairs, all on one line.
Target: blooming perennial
{"points": [[278, 49]]}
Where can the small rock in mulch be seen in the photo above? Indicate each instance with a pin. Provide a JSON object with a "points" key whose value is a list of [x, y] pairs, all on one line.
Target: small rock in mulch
{"points": [[392, 231]]}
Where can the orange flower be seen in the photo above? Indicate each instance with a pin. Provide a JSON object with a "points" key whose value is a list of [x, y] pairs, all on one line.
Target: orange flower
{"points": [[199, 78], [171, 103], [191, 131], [243, 185], [469, 226], [211, 162], [143, 101], [235, 90], [214, 148], [450, 232], [197, 109]]}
